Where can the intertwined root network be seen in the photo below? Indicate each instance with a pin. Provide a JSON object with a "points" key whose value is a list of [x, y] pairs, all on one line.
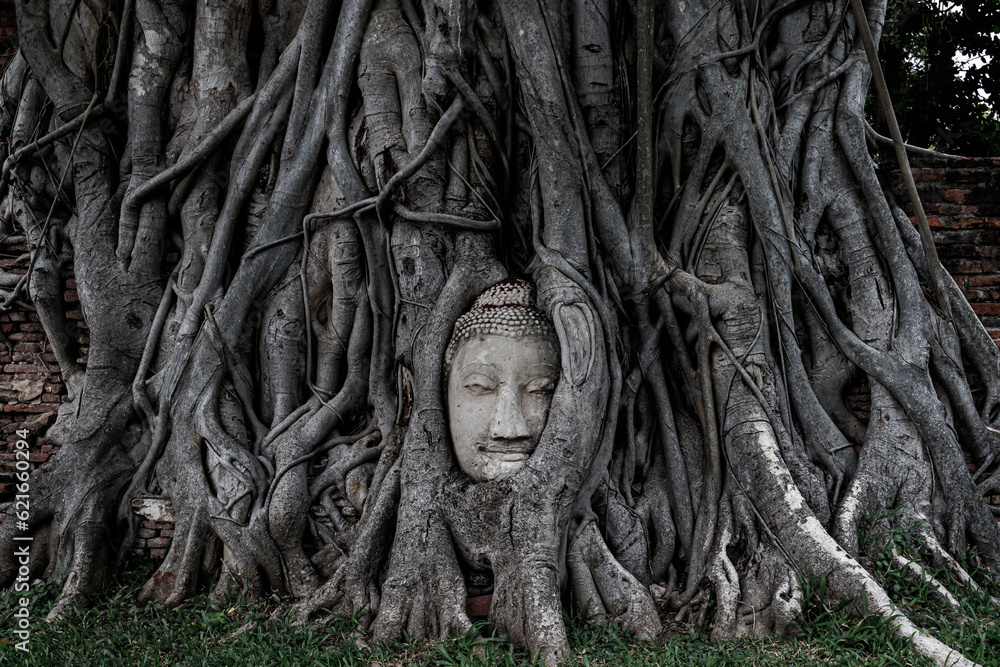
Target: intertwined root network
{"points": [[689, 190]]}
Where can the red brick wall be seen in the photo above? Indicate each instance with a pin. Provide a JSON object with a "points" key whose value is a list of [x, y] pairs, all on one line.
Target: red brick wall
{"points": [[153, 538], [8, 32], [962, 204], [962, 201], [31, 388]]}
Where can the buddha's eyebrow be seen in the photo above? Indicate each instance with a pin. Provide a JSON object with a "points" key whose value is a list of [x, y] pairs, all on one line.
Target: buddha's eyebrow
{"points": [[478, 367]]}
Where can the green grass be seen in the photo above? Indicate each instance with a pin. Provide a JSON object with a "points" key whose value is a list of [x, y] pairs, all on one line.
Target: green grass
{"points": [[974, 629], [117, 631]]}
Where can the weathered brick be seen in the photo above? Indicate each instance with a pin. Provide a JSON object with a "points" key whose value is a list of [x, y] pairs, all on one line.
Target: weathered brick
{"points": [[965, 222], [28, 336], [974, 266], [29, 408], [984, 281], [478, 607], [986, 308], [21, 368]]}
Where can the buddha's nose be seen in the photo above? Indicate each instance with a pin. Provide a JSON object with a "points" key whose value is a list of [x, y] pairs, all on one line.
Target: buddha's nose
{"points": [[508, 421]]}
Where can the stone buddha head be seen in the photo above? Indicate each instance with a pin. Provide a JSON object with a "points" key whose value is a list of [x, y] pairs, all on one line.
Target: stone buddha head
{"points": [[501, 365]]}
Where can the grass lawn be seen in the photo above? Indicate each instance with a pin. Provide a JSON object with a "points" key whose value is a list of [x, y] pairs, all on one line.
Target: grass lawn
{"points": [[119, 632]]}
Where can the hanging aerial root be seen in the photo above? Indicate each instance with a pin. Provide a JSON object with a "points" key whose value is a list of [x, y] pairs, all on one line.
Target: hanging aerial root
{"points": [[197, 155], [921, 576], [353, 590], [619, 594]]}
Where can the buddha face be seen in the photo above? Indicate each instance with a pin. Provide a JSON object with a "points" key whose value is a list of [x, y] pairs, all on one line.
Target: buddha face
{"points": [[499, 392]]}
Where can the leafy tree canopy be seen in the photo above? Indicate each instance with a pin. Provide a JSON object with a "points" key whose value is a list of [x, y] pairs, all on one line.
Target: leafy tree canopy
{"points": [[942, 66]]}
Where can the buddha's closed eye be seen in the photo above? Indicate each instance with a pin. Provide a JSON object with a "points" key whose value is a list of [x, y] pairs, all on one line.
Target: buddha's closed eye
{"points": [[542, 385], [480, 384]]}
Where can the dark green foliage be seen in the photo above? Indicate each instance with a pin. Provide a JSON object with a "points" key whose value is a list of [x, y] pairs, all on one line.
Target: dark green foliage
{"points": [[937, 99], [117, 631], [843, 635], [973, 628]]}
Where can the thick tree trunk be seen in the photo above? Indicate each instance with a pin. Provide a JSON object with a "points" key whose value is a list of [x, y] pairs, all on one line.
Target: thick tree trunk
{"points": [[688, 188]]}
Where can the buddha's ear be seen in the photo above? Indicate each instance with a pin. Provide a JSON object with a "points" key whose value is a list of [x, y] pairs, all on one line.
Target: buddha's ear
{"points": [[576, 330]]}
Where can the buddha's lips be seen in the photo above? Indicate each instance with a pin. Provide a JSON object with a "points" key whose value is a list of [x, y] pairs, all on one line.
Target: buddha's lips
{"points": [[520, 449]]}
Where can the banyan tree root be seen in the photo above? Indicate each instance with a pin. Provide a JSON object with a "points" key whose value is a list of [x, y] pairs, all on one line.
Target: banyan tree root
{"points": [[686, 186]]}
